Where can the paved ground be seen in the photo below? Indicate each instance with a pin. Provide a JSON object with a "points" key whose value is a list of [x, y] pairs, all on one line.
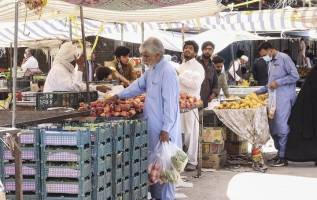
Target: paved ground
{"points": [[213, 185]]}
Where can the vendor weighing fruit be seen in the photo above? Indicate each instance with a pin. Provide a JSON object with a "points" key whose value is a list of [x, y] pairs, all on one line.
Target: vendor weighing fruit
{"points": [[161, 107]]}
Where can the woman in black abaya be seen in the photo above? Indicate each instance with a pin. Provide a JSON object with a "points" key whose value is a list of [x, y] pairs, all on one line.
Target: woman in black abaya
{"points": [[302, 139]]}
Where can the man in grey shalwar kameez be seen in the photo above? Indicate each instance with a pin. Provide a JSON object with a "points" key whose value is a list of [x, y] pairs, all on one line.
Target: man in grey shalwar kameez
{"points": [[283, 76]]}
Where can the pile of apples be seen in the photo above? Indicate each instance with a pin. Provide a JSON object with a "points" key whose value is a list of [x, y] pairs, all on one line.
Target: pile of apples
{"points": [[189, 102], [119, 108]]}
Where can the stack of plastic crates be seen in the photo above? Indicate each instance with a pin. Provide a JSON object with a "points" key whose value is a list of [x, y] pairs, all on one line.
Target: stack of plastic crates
{"points": [[29, 140], [117, 159], [66, 165], [139, 161], [62, 99], [102, 162]]}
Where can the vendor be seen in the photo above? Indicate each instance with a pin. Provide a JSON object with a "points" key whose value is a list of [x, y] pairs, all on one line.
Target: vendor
{"points": [[191, 76], [222, 80], [63, 76], [30, 65], [235, 70], [282, 79], [122, 65]]}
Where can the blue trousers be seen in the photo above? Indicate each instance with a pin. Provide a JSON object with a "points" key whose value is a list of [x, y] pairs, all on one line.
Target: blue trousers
{"points": [[162, 191], [280, 141]]}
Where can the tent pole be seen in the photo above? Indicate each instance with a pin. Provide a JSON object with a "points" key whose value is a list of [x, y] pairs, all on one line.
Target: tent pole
{"points": [[15, 62], [234, 70], [70, 30], [183, 34], [84, 50], [121, 42], [16, 152], [142, 32], [142, 40]]}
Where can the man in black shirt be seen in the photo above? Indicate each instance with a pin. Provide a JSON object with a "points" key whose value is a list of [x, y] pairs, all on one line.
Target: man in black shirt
{"points": [[209, 87], [260, 71]]}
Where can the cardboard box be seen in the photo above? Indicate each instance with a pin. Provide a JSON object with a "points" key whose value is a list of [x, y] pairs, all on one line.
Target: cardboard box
{"points": [[237, 148], [213, 135], [233, 137], [210, 148], [214, 161]]}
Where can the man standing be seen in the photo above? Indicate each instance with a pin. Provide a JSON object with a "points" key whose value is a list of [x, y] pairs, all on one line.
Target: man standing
{"points": [[209, 88], [282, 78], [161, 107], [122, 65], [222, 80], [30, 65], [191, 75], [260, 71]]}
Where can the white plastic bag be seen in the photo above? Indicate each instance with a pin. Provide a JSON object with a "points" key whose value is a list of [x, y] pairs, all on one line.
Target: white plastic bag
{"points": [[166, 163], [272, 103]]}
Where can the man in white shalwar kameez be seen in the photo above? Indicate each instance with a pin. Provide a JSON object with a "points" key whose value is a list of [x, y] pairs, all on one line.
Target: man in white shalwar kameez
{"points": [[191, 75]]}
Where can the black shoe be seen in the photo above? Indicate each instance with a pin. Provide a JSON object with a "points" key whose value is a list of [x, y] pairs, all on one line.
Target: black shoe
{"points": [[274, 159], [189, 167], [280, 163]]}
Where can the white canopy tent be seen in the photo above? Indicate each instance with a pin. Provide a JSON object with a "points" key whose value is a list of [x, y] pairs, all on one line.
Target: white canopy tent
{"points": [[222, 38], [52, 31], [119, 10]]}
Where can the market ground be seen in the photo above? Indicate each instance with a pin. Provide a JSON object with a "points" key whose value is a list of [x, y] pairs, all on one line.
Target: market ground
{"points": [[213, 185]]}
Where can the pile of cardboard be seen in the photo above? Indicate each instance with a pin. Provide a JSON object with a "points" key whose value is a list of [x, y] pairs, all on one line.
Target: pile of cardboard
{"points": [[213, 147]]}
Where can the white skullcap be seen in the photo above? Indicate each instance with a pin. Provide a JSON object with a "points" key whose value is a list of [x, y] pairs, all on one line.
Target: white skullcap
{"points": [[245, 58]]}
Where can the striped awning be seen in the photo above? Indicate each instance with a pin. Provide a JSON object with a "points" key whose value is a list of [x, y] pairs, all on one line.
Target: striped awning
{"points": [[59, 29], [59, 9]]}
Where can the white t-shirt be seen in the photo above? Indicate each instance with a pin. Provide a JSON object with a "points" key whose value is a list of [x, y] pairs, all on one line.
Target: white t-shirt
{"points": [[31, 64]]}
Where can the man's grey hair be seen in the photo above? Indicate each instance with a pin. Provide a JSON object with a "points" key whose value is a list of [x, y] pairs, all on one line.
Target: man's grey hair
{"points": [[152, 45]]}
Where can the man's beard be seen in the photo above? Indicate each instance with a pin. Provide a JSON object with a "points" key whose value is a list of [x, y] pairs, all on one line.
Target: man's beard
{"points": [[206, 56]]}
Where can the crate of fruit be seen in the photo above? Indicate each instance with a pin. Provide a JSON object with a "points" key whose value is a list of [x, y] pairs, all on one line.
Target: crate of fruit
{"points": [[27, 169], [62, 99], [69, 170], [28, 153], [66, 155], [28, 185], [30, 137], [65, 138], [69, 187]]}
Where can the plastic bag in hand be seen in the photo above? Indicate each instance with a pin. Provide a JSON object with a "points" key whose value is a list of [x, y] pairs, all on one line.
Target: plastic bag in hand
{"points": [[166, 163], [272, 103]]}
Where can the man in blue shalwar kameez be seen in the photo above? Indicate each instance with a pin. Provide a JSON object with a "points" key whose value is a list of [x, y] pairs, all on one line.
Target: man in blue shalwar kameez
{"points": [[161, 109], [283, 76]]}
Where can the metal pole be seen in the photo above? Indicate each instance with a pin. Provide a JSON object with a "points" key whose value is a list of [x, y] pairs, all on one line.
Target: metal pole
{"points": [[142, 40], [121, 42], [15, 62], [234, 69], [17, 152], [11, 64], [70, 30], [183, 34], [84, 50]]}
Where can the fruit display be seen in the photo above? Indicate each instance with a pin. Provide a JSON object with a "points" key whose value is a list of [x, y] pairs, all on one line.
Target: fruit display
{"points": [[189, 102], [303, 72], [250, 101], [244, 83], [119, 108], [130, 107]]}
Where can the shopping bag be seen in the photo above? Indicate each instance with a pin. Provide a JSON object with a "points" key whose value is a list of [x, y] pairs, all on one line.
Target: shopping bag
{"points": [[167, 161], [272, 103]]}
